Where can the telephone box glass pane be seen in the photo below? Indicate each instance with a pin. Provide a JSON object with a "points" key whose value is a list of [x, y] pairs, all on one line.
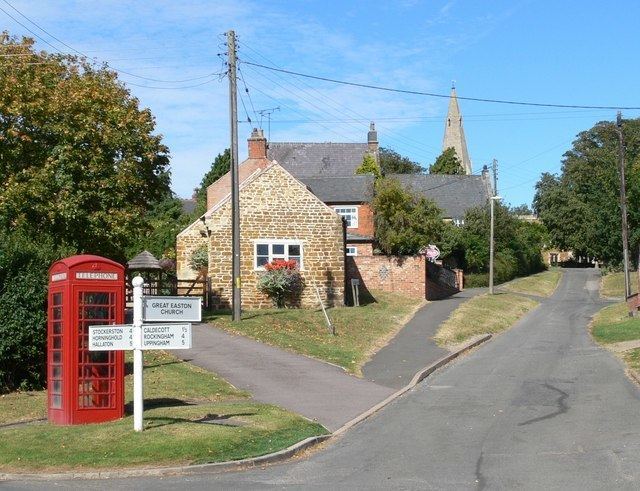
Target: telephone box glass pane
{"points": [[96, 372]]}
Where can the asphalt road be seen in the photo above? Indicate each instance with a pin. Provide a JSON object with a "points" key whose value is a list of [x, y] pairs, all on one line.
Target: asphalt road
{"points": [[539, 407]]}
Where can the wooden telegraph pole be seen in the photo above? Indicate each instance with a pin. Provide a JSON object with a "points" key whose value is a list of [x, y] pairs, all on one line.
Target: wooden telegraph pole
{"points": [[623, 208], [235, 185]]}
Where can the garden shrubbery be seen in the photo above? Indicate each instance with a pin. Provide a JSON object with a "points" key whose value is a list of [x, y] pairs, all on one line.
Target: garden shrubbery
{"points": [[281, 281]]}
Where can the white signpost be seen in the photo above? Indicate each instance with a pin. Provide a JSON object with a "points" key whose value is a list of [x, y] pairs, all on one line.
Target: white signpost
{"points": [[140, 336], [167, 309]]}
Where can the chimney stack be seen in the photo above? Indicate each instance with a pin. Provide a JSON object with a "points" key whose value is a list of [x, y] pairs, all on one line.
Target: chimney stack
{"points": [[257, 144], [372, 140]]}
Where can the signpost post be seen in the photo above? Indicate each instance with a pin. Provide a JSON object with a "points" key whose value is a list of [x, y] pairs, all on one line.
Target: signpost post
{"points": [[156, 325]]}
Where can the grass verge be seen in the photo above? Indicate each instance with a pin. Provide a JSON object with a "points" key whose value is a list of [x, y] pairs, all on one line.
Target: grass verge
{"points": [[178, 398], [540, 284], [613, 325], [483, 314], [612, 284], [360, 331]]}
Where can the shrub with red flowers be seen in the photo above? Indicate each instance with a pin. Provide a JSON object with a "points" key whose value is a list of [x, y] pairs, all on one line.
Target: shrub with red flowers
{"points": [[281, 281]]}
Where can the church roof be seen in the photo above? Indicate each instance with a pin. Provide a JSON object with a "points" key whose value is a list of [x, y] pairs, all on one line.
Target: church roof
{"points": [[454, 133], [318, 159]]}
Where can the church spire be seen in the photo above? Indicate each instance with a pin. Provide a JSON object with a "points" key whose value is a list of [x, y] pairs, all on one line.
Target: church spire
{"points": [[454, 132]]}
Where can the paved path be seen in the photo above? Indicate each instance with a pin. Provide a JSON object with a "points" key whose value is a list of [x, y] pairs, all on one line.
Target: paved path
{"points": [[317, 390], [413, 347]]}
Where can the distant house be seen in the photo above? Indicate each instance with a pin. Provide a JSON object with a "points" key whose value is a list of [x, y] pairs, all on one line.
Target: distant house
{"points": [[280, 218], [454, 194]]}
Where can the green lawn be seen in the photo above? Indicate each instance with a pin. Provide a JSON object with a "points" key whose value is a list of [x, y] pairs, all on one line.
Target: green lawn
{"points": [[612, 284], [613, 325], [483, 314], [177, 396], [541, 284], [360, 330]]}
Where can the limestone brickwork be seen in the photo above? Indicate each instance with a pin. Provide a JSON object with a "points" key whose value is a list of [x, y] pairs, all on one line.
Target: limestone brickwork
{"points": [[273, 205]]}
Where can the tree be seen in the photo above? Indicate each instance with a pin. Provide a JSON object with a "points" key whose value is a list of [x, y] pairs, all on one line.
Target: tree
{"points": [[522, 210], [447, 163], [162, 223], [392, 162], [369, 166], [580, 207], [79, 159], [219, 168], [404, 223], [82, 171]]}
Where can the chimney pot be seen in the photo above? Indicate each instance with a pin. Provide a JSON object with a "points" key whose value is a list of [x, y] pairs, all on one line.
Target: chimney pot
{"points": [[257, 144]]}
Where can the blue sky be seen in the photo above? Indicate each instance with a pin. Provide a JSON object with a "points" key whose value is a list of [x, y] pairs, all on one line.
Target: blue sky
{"points": [[568, 52]]}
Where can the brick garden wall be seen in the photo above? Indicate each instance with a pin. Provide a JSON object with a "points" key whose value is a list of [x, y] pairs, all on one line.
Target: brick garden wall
{"points": [[403, 274], [399, 274]]}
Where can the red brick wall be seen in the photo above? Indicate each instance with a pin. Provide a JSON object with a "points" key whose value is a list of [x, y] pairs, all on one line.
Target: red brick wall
{"points": [[404, 274], [365, 218]]}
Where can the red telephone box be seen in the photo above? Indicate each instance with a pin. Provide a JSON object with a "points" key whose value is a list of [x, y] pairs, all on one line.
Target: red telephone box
{"points": [[84, 386]]}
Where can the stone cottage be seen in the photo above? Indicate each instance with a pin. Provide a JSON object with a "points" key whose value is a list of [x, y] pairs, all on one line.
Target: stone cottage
{"points": [[279, 219]]}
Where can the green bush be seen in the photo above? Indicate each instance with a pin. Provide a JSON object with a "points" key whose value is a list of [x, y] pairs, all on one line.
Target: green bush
{"points": [[281, 282], [199, 259], [24, 263]]}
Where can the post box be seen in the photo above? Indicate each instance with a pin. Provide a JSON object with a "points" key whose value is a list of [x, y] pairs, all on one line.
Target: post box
{"points": [[84, 386]]}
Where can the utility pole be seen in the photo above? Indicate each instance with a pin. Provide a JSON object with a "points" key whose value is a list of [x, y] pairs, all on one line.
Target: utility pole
{"points": [[492, 199], [235, 185], [494, 167], [623, 207]]}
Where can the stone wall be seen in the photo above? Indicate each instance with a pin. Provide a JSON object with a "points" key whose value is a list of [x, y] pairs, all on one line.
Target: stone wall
{"points": [[273, 205], [188, 241]]}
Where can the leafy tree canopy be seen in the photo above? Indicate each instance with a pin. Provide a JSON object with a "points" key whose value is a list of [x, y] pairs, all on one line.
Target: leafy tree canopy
{"points": [[79, 159], [404, 223], [219, 168], [580, 207], [369, 166], [391, 162], [447, 163]]}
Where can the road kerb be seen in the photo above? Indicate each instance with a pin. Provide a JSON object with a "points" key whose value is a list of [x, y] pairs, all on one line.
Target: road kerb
{"points": [[271, 458]]}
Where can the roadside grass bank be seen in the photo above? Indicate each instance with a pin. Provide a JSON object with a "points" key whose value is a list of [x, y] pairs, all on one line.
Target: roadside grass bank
{"points": [[612, 284], [540, 284], [360, 331], [613, 325], [484, 314], [191, 417]]}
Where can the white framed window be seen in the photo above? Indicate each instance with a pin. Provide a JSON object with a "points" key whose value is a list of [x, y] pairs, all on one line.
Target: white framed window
{"points": [[350, 214], [352, 251], [458, 222], [266, 250]]}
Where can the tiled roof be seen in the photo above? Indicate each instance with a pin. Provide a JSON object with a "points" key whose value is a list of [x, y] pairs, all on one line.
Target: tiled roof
{"points": [[318, 159], [454, 194], [351, 189]]}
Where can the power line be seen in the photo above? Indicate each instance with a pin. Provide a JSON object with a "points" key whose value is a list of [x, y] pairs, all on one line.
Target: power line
{"points": [[341, 109], [430, 94], [83, 54]]}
